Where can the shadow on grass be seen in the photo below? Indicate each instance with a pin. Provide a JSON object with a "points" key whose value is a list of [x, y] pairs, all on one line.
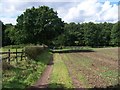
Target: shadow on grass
{"points": [[112, 87], [70, 51], [56, 86], [53, 86], [14, 85]]}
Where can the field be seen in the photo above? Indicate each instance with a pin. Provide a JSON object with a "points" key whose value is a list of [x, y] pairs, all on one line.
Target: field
{"points": [[97, 69], [93, 68]]}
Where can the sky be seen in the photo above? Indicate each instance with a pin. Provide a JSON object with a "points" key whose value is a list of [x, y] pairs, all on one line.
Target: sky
{"points": [[78, 11]]}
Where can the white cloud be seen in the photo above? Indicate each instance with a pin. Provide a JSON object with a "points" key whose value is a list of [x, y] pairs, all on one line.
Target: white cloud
{"points": [[11, 9], [110, 13], [92, 10], [69, 11]]}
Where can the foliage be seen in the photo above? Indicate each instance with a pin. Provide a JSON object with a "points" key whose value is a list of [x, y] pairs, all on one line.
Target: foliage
{"points": [[86, 34], [7, 36], [38, 25], [15, 46], [25, 73], [33, 51], [115, 34]]}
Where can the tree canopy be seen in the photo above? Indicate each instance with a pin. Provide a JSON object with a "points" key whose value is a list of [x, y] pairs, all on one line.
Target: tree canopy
{"points": [[38, 25], [87, 34], [115, 34]]}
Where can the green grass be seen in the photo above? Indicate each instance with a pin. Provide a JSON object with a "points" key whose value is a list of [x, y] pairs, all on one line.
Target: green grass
{"points": [[26, 72], [12, 50], [60, 77], [109, 75]]}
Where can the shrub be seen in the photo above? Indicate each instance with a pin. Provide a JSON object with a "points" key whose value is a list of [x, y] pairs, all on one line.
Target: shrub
{"points": [[15, 46], [33, 51]]}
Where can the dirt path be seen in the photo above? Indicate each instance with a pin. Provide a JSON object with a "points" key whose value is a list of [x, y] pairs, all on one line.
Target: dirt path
{"points": [[43, 81]]}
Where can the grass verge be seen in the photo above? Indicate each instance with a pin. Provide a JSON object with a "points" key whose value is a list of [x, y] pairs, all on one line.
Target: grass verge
{"points": [[26, 72]]}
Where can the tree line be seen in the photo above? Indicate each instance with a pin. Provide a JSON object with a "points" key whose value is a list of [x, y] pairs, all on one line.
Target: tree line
{"points": [[42, 26], [90, 34]]}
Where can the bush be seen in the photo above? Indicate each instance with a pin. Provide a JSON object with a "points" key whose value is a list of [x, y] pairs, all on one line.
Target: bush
{"points": [[33, 51], [15, 46]]}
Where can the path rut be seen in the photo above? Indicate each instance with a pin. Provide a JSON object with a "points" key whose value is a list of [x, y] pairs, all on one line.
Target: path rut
{"points": [[43, 81]]}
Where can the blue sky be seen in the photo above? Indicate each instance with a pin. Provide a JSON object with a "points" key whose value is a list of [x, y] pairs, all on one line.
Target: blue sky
{"points": [[109, 0], [68, 10]]}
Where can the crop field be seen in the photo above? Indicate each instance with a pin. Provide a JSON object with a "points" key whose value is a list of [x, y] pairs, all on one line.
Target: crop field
{"points": [[97, 69]]}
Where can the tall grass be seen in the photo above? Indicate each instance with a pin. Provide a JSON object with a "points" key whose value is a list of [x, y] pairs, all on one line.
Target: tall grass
{"points": [[26, 72]]}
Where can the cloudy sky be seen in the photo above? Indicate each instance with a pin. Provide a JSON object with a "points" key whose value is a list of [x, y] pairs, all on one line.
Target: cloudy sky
{"points": [[68, 10]]}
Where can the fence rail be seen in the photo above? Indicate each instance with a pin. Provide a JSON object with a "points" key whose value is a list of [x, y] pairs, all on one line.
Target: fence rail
{"points": [[12, 54]]}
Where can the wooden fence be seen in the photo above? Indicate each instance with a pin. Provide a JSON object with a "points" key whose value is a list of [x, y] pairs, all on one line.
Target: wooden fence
{"points": [[10, 55]]}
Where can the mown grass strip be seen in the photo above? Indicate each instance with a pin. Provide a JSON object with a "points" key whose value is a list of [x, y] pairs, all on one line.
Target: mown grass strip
{"points": [[60, 77]]}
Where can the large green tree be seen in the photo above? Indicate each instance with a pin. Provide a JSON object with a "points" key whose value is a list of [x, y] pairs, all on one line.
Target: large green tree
{"points": [[90, 34], [115, 34], [38, 25]]}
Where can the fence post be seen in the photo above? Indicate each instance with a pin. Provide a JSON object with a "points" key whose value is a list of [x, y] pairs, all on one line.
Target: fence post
{"points": [[21, 54], [9, 56], [16, 56]]}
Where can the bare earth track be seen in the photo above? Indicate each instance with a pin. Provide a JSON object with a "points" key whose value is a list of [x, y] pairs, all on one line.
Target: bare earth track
{"points": [[43, 81]]}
